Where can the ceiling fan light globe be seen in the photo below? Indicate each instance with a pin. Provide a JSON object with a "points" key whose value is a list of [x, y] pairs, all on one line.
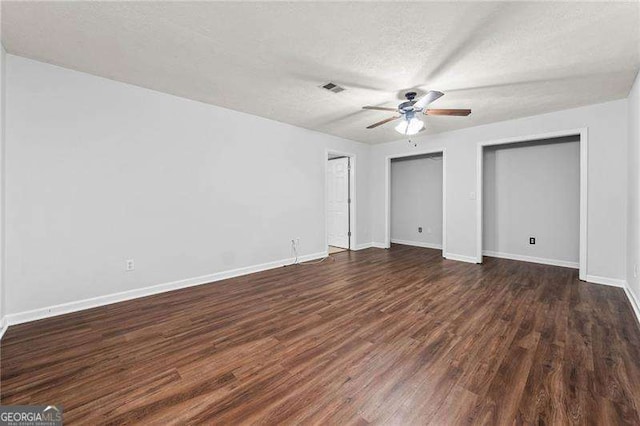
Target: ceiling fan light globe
{"points": [[414, 126], [402, 127], [410, 127]]}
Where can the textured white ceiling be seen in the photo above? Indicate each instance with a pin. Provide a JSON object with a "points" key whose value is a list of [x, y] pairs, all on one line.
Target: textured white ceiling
{"points": [[503, 60]]}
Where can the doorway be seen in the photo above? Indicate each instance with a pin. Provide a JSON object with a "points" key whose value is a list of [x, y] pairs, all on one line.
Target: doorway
{"points": [[417, 199], [561, 217], [339, 202]]}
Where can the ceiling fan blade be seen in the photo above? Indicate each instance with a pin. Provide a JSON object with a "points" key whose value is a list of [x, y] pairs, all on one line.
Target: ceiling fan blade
{"points": [[380, 108], [431, 96], [456, 112], [380, 123]]}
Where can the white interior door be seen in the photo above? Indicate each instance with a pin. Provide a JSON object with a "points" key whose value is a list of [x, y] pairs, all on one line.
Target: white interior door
{"points": [[338, 202]]}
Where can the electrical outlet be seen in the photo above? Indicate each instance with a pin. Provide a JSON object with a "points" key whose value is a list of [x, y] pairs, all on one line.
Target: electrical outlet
{"points": [[636, 270], [129, 265], [429, 230], [532, 240], [420, 229]]}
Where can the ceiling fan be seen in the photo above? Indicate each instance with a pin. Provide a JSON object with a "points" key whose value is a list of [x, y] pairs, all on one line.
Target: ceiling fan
{"points": [[411, 124]]}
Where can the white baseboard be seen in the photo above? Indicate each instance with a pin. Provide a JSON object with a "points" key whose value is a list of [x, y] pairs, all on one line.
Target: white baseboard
{"points": [[635, 304], [3, 326], [417, 244], [614, 282], [363, 246], [563, 263], [81, 305], [379, 245], [460, 258]]}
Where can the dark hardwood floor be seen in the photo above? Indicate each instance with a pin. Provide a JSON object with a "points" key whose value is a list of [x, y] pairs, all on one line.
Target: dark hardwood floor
{"points": [[396, 336]]}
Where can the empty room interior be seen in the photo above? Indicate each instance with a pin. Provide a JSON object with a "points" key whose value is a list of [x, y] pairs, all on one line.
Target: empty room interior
{"points": [[319, 212]]}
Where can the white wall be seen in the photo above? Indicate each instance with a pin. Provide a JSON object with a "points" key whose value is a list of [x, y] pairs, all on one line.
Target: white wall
{"points": [[607, 176], [416, 200], [533, 190], [633, 224], [99, 172]]}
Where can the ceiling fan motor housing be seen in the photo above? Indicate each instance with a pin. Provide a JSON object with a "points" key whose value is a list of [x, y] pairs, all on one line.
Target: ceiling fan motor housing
{"points": [[406, 106]]}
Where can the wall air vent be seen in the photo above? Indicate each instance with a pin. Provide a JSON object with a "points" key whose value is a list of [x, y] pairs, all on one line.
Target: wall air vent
{"points": [[332, 87]]}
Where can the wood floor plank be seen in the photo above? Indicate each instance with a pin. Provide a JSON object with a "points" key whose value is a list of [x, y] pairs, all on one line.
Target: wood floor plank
{"points": [[398, 336]]}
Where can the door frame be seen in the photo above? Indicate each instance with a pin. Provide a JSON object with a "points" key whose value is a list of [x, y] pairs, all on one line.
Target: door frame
{"points": [[387, 187], [352, 196], [584, 186]]}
